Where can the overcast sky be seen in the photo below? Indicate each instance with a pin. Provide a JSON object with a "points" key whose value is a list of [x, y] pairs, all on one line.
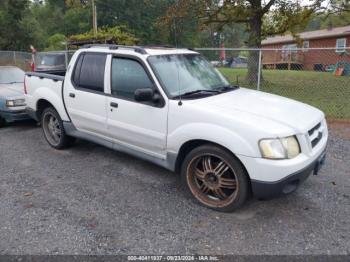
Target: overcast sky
{"points": [[307, 2]]}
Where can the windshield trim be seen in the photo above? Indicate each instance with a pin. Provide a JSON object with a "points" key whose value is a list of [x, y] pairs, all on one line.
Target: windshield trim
{"points": [[12, 83], [174, 97]]}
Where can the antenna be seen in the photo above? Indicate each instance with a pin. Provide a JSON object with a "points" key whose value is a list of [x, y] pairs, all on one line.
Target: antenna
{"points": [[177, 65]]}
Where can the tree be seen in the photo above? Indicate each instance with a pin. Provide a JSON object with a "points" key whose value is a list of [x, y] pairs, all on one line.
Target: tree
{"points": [[339, 6], [138, 15], [56, 42], [76, 21], [18, 28], [50, 16], [259, 17]]}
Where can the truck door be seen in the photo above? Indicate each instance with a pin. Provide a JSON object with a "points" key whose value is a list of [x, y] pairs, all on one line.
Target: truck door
{"points": [[139, 125], [84, 95]]}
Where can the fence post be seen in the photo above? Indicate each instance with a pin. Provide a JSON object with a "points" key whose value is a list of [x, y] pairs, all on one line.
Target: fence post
{"points": [[14, 58], [259, 71], [66, 58]]}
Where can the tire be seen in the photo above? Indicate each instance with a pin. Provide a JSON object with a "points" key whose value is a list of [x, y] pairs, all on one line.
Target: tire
{"points": [[215, 178], [53, 129], [2, 122]]}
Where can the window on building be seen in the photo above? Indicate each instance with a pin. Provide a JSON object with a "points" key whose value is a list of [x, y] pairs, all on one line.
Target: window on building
{"points": [[288, 51], [341, 45], [306, 45]]}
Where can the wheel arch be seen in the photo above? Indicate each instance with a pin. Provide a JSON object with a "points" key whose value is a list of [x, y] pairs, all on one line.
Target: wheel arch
{"points": [[192, 144], [41, 105], [45, 96]]}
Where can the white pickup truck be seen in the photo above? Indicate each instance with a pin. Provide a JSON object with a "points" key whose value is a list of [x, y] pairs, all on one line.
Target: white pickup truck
{"points": [[171, 107]]}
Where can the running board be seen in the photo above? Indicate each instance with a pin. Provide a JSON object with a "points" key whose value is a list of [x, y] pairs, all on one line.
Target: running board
{"points": [[168, 163]]}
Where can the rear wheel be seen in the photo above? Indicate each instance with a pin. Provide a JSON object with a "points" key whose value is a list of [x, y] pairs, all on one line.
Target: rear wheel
{"points": [[2, 122], [215, 178], [53, 129]]}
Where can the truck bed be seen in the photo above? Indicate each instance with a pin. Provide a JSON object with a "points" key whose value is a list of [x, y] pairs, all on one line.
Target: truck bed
{"points": [[42, 86], [52, 76]]}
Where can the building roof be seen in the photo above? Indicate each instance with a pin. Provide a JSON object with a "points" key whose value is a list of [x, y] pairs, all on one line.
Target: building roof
{"points": [[325, 33]]}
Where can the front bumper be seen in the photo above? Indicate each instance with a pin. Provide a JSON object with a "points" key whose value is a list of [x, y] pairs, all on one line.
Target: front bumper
{"points": [[267, 190], [12, 116]]}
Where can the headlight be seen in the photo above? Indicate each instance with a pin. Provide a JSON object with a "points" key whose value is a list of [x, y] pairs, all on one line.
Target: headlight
{"points": [[16, 102], [280, 148]]}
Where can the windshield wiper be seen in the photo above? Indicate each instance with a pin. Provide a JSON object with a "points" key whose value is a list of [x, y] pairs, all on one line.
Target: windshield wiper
{"points": [[200, 91], [11, 83], [227, 88]]}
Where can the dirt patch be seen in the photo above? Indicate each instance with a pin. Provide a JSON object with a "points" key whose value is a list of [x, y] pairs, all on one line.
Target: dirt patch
{"points": [[340, 127]]}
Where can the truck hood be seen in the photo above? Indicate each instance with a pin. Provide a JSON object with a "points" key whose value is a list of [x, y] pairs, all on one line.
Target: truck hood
{"points": [[11, 90], [296, 115]]}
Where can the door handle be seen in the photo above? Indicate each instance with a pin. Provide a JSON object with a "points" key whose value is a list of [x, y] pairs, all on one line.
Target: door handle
{"points": [[114, 105], [72, 95]]}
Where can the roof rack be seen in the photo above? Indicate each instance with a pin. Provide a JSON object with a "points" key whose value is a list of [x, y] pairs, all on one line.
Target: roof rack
{"points": [[137, 49], [167, 47], [159, 46]]}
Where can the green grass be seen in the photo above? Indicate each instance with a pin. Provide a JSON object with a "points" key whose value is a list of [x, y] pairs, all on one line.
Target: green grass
{"points": [[321, 89]]}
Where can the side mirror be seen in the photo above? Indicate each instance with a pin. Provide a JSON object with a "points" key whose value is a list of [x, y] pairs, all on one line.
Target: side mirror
{"points": [[144, 95]]}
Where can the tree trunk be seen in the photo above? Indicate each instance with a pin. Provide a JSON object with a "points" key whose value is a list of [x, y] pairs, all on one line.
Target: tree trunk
{"points": [[254, 41]]}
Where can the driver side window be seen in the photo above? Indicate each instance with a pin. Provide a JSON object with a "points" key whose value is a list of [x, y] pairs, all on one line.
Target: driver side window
{"points": [[127, 76]]}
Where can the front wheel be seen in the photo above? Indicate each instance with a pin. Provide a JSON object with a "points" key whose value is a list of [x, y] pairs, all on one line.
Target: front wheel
{"points": [[53, 129], [215, 178]]}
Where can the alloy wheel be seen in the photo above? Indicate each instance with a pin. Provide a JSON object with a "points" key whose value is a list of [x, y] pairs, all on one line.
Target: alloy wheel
{"points": [[212, 180], [52, 128]]}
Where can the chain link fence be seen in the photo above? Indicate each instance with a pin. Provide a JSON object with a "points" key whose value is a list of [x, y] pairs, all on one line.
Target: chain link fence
{"points": [[316, 76], [46, 60], [16, 58]]}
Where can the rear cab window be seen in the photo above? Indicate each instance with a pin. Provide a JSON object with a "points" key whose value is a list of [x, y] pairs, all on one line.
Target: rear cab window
{"points": [[89, 72]]}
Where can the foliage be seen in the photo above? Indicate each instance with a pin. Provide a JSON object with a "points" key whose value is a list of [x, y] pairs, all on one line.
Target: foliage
{"points": [[56, 42], [76, 21], [138, 15], [189, 23], [117, 35], [259, 18], [329, 19], [18, 28]]}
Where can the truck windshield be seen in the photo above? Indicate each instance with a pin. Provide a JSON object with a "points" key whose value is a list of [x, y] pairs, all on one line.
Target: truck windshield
{"points": [[182, 74], [11, 75]]}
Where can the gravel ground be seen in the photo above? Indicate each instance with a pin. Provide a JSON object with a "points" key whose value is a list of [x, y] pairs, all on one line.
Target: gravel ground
{"points": [[91, 200]]}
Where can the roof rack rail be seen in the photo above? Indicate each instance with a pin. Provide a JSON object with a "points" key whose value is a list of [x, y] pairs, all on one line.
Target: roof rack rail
{"points": [[168, 46], [159, 46], [137, 49]]}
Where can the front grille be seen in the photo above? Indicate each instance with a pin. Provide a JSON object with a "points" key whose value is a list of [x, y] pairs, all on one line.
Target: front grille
{"points": [[315, 134], [315, 128]]}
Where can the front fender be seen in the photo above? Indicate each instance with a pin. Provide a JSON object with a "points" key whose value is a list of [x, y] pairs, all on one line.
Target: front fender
{"points": [[212, 133]]}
